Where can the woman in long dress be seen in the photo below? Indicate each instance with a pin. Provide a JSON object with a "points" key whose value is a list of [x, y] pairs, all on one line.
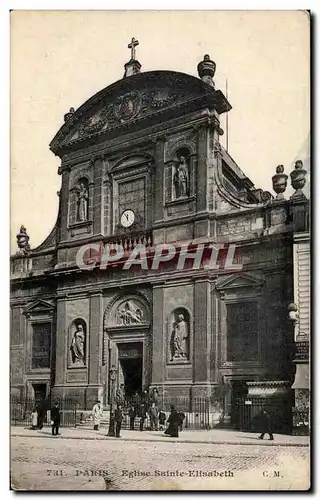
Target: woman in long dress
{"points": [[173, 421]]}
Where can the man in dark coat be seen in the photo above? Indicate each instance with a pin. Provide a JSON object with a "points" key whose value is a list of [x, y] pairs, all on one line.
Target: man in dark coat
{"points": [[162, 419], [153, 412], [174, 422], [118, 416], [132, 416], [266, 425], [142, 415], [41, 413], [181, 417], [55, 419]]}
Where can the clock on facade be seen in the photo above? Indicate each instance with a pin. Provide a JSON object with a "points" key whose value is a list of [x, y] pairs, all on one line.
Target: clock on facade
{"points": [[127, 218]]}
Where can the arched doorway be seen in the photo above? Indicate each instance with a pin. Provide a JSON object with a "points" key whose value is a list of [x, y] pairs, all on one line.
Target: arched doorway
{"points": [[126, 345]]}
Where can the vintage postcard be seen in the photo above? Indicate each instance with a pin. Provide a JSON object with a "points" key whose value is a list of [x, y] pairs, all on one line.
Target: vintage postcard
{"points": [[160, 263]]}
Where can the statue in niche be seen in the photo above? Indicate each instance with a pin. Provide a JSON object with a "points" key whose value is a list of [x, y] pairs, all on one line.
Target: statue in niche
{"points": [[83, 202], [180, 339], [78, 345], [181, 179], [129, 314]]}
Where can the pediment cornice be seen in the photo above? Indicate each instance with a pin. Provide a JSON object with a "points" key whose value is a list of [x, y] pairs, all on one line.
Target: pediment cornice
{"points": [[133, 99]]}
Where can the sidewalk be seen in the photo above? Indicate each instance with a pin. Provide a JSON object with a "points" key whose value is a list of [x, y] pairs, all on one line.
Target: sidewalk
{"points": [[214, 436]]}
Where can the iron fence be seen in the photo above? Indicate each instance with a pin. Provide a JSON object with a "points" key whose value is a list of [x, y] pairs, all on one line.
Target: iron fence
{"points": [[279, 409], [21, 410]]}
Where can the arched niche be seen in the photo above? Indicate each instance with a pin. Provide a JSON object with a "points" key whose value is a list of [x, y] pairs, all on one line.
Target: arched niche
{"points": [[80, 200], [77, 345], [179, 171], [179, 336]]}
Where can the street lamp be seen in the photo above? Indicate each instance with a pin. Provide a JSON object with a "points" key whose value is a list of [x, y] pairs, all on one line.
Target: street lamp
{"points": [[112, 383]]}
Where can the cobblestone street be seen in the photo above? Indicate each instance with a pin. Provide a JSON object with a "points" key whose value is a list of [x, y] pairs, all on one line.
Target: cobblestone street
{"points": [[45, 463]]}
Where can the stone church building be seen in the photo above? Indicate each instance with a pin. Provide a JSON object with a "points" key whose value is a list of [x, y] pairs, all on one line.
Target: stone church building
{"points": [[142, 167]]}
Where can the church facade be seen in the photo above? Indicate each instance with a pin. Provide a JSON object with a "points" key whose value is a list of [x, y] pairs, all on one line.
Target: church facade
{"points": [[166, 266]]}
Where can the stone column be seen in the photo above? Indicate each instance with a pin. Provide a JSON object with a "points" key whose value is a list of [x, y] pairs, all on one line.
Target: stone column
{"points": [[201, 343], [159, 178], [95, 348], [61, 347], [64, 202]]}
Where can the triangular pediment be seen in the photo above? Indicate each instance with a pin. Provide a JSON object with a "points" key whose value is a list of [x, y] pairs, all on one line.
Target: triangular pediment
{"points": [[239, 281], [39, 306], [132, 100]]}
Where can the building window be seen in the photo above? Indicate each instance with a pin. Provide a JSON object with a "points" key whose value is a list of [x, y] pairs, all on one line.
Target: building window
{"points": [[132, 196], [242, 331], [41, 337]]}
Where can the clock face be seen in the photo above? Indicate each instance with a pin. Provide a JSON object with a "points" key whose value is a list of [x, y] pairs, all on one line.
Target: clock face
{"points": [[127, 218]]}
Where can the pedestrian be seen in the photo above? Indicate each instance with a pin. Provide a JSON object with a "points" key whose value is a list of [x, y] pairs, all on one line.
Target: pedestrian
{"points": [[162, 420], [96, 414], [181, 417], [132, 416], [118, 416], [173, 421], [266, 427], [143, 415], [55, 419], [34, 418], [41, 413], [153, 417]]}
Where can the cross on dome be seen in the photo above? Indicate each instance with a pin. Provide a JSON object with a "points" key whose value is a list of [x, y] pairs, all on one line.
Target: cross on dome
{"points": [[132, 45]]}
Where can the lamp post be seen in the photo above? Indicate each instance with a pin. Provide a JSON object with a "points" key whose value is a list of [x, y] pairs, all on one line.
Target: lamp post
{"points": [[112, 384]]}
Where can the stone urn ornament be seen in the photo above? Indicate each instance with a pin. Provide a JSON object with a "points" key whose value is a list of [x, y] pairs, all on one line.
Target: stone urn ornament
{"points": [[298, 179], [23, 241], [279, 182], [206, 70]]}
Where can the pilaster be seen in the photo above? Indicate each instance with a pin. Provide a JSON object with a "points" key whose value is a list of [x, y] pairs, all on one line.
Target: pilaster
{"points": [[159, 178], [201, 173], [158, 358], [61, 340], [64, 200], [98, 196], [95, 338], [201, 344]]}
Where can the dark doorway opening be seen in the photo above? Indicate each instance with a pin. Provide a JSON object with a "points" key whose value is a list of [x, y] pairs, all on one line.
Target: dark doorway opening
{"points": [[132, 372], [40, 392], [239, 390]]}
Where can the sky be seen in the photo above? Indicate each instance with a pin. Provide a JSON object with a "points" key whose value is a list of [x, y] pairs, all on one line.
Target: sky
{"points": [[60, 59]]}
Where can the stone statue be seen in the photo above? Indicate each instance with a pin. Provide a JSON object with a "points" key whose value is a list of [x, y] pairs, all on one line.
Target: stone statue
{"points": [[83, 199], [180, 339], [181, 179], [184, 335], [77, 345], [23, 240]]}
